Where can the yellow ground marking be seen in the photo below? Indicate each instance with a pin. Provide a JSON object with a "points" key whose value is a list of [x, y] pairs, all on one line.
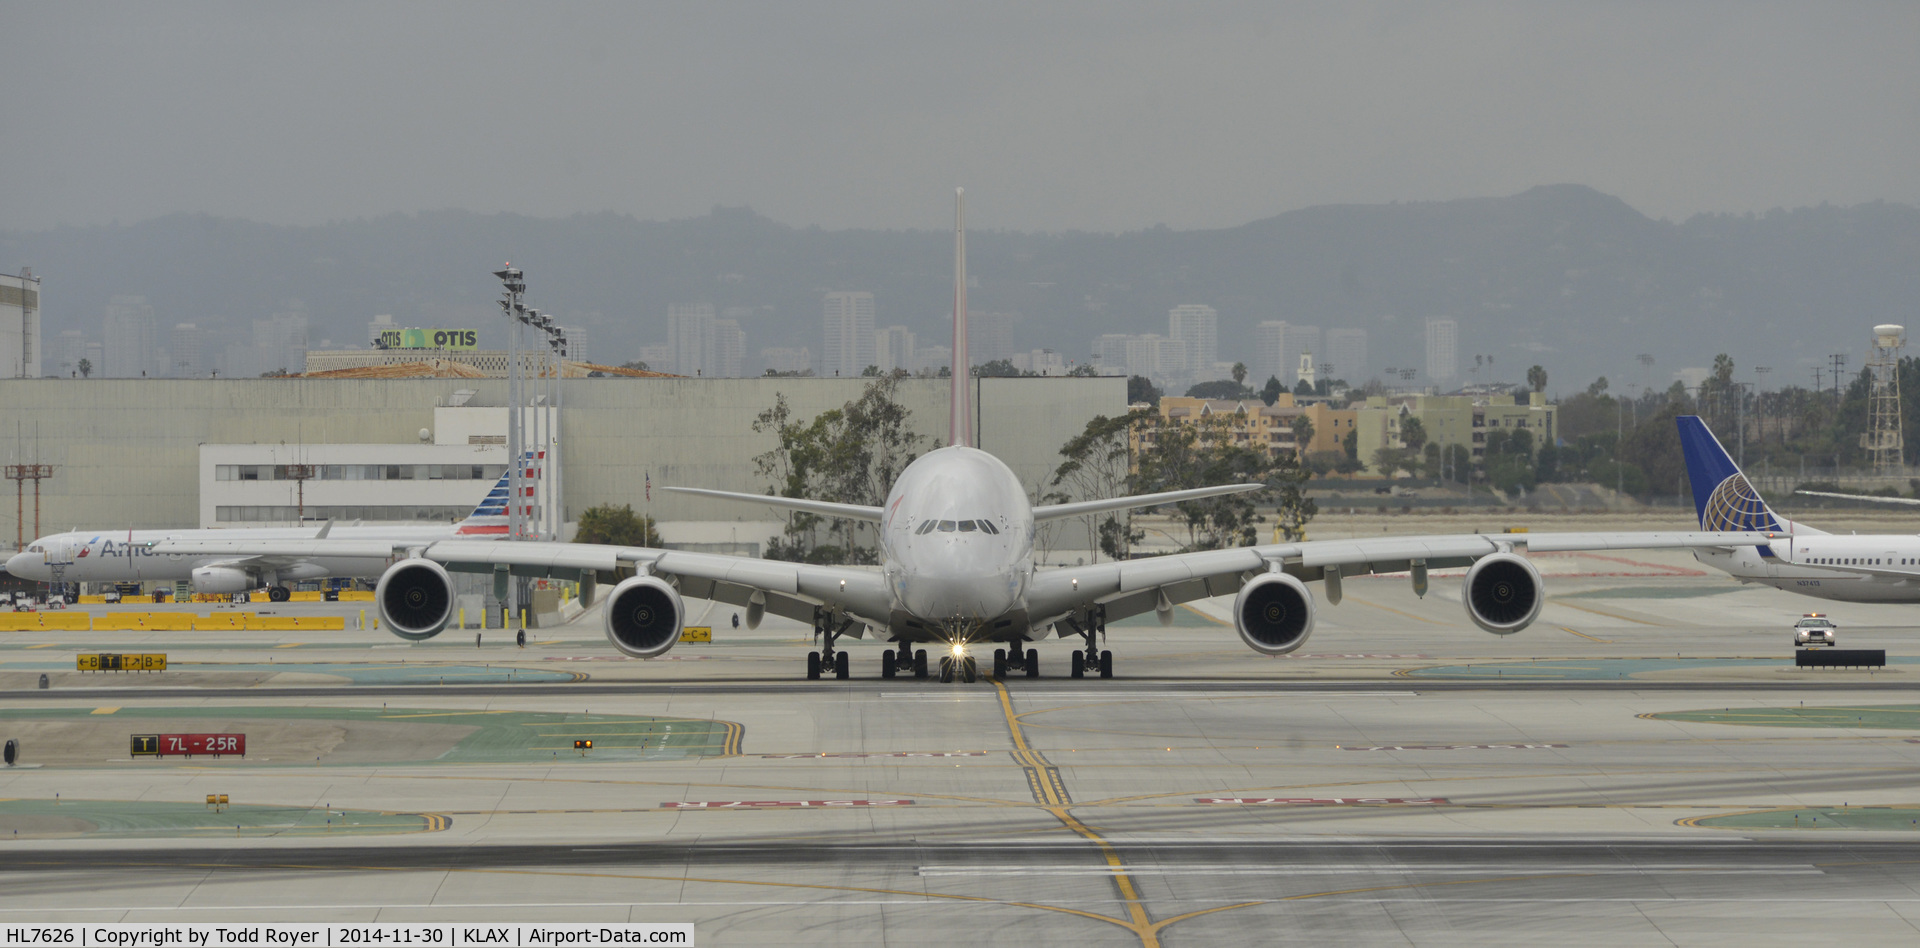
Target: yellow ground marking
{"points": [[106, 710], [1409, 615], [1602, 612], [1203, 615], [44, 645], [1586, 636], [289, 645], [681, 785], [441, 714]]}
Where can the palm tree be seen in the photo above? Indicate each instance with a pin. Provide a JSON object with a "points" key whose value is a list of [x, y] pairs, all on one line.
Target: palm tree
{"points": [[1537, 377], [1240, 373]]}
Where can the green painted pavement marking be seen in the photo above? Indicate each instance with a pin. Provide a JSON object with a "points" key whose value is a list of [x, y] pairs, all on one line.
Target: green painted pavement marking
{"points": [[131, 819], [1901, 717], [498, 736], [359, 673], [1845, 818]]}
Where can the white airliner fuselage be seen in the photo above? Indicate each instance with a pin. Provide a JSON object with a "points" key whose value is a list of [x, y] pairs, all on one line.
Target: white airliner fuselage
{"points": [[1830, 566], [957, 541]]}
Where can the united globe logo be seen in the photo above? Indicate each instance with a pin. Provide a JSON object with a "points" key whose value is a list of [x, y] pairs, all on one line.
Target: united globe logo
{"points": [[1735, 506]]}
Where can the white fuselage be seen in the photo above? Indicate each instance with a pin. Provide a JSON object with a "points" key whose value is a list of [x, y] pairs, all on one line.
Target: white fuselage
{"points": [[956, 539], [127, 556], [1818, 565]]}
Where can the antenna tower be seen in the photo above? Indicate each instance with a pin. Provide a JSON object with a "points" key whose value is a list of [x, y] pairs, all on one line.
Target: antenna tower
{"points": [[1882, 438]]}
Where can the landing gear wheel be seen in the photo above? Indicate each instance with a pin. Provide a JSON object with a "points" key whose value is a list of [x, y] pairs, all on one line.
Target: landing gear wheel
{"points": [[279, 594], [1077, 665], [887, 668], [946, 670], [1033, 663], [813, 666], [841, 666], [999, 663], [969, 670], [920, 663], [1106, 664]]}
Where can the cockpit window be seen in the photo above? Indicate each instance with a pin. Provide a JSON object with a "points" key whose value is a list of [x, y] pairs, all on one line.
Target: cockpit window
{"points": [[967, 526], [926, 528], [988, 526], [948, 526]]}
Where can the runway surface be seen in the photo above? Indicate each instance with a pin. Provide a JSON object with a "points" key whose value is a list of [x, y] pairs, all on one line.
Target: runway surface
{"points": [[1642, 766]]}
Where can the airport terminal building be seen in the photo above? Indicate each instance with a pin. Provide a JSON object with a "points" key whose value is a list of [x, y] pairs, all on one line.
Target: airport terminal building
{"points": [[181, 453]]}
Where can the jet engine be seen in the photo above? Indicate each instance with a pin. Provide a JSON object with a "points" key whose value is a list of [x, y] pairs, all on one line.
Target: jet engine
{"points": [[1503, 593], [644, 616], [221, 579], [1274, 613], [415, 599]]}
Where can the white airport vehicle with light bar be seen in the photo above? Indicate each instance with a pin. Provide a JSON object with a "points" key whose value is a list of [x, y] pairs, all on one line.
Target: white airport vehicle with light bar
{"points": [[956, 589], [1814, 629]]}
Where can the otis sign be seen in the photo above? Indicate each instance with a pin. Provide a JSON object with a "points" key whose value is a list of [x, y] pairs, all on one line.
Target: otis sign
{"points": [[428, 339]]}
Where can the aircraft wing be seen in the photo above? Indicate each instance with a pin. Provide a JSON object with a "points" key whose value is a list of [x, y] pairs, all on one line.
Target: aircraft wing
{"points": [[1047, 512], [789, 589], [1867, 497], [824, 508], [1132, 587]]}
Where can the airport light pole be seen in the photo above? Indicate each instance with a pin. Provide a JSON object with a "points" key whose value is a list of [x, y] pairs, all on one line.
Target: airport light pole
{"points": [[512, 295]]}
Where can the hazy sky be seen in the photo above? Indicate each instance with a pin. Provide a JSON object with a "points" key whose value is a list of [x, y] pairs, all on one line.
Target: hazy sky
{"points": [[1102, 116]]}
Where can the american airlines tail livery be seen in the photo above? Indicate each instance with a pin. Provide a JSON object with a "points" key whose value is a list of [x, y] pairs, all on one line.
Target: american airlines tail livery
{"points": [[300, 553], [957, 569]]}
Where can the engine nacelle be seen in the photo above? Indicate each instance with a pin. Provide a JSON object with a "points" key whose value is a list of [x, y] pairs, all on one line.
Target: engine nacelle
{"points": [[1274, 613], [644, 616], [222, 579], [1503, 593], [415, 599]]}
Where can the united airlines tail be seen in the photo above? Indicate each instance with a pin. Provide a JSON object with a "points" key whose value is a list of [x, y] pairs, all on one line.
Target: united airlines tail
{"points": [[1723, 498]]}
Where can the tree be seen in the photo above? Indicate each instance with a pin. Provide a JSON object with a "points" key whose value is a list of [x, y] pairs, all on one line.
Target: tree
{"points": [[1224, 388], [1537, 377], [1084, 370], [1413, 433], [1302, 433], [1205, 453], [1303, 387], [1140, 389], [997, 369], [1094, 466], [1271, 393], [616, 526], [636, 365], [1351, 444], [86, 368], [852, 454], [1239, 373]]}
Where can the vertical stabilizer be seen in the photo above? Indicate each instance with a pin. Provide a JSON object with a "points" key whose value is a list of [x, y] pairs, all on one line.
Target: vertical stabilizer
{"points": [[961, 430], [1723, 498]]}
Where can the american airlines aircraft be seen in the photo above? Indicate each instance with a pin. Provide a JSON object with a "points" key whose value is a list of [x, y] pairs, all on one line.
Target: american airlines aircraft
{"points": [[1796, 557], [957, 569], [130, 556]]}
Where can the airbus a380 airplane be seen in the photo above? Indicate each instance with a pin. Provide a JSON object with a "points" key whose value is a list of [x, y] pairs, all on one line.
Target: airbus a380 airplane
{"points": [[956, 538], [1796, 557], [131, 556]]}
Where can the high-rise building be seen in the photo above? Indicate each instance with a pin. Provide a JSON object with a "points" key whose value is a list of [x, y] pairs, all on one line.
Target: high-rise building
{"points": [[690, 337], [378, 325], [657, 358], [1277, 345], [932, 358], [21, 342], [1110, 353], [1198, 327], [784, 359], [1347, 352], [729, 349], [1443, 351], [279, 342], [990, 336], [893, 348], [848, 330], [67, 351], [129, 337], [189, 354]]}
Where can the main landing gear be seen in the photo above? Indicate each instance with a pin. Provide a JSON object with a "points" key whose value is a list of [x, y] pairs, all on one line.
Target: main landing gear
{"points": [[1088, 659], [908, 660], [829, 627], [1005, 661], [279, 594]]}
